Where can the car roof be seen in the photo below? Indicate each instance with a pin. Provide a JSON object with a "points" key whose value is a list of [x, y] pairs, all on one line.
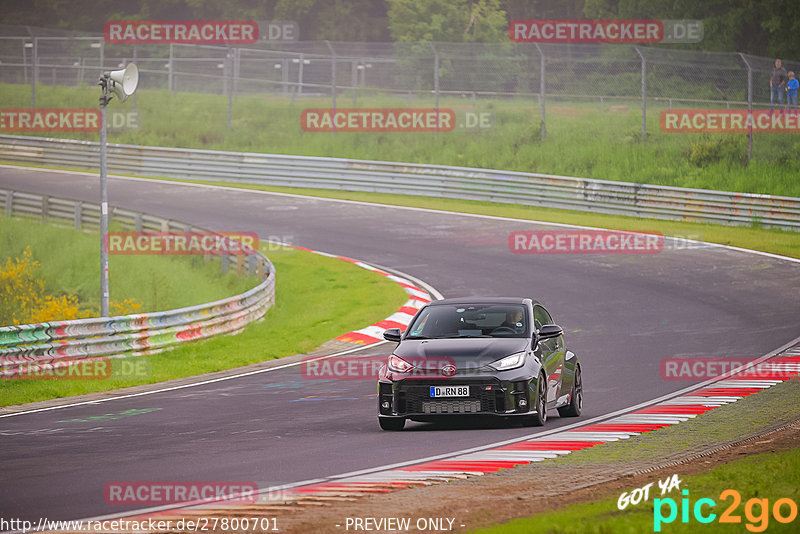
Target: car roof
{"points": [[482, 300]]}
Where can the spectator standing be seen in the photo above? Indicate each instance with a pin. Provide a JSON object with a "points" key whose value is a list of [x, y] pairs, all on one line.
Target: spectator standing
{"points": [[791, 92], [777, 82]]}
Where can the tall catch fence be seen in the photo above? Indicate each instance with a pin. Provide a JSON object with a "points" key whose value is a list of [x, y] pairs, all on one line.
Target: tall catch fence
{"points": [[602, 74]]}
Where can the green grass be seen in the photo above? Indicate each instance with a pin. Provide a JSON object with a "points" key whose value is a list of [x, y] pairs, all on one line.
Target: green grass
{"points": [[343, 297], [70, 264], [582, 140], [769, 476]]}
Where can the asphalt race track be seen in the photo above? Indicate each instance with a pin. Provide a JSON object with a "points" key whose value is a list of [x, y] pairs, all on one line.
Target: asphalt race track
{"points": [[622, 313]]}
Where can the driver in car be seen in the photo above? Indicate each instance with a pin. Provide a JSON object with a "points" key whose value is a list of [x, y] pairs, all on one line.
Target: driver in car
{"points": [[513, 321]]}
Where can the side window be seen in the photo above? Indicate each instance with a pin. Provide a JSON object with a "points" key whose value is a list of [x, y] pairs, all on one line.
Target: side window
{"points": [[541, 317]]}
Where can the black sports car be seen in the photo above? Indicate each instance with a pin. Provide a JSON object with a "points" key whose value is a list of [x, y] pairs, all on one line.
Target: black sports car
{"points": [[482, 356]]}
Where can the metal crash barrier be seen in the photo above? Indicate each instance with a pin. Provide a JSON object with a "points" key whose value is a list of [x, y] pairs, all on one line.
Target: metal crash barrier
{"points": [[47, 346]]}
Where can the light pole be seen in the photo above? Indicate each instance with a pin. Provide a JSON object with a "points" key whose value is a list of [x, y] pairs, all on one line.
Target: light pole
{"points": [[121, 83]]}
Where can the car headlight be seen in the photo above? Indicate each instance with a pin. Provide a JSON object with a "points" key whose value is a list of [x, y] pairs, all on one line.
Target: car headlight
{"points": [[399, 365], [509, 362]]}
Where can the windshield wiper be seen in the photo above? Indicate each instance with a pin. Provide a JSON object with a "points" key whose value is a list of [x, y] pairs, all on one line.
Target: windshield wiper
{"points": [[418, 337]]}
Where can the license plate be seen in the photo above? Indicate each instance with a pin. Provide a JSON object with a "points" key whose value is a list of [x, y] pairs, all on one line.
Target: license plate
{"points": [[449, 391]]}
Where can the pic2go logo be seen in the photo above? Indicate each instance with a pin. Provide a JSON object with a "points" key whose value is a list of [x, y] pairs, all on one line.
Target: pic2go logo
{"points": [[756, 511]]}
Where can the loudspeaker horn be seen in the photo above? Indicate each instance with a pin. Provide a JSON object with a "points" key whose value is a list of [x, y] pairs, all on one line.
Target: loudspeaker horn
{"points": [[123, 82]]}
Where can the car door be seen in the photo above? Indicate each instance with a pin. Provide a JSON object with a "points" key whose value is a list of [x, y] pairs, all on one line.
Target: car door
{"points": [[552, 353]]}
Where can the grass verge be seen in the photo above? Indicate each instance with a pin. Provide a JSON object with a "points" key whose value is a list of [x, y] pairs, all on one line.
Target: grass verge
{"points": [[70, 264], [318, 298]]}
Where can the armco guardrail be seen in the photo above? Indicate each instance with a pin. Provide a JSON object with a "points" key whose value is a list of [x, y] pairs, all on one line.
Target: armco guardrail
{"points": [[33, 348], [532, 189]]}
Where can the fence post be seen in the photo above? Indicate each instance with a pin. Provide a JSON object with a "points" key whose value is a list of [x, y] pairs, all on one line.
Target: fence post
{"points": [[300, 76], [25, 60], [542, 89], [9, 203], [35, 76], [354, 80], [644, 94], [228, 74], [333, 85], [436, 84], [285, 75], [78, 214], [134, 93], [749, 107], [45, 208], [237, 65], [169, 65]]}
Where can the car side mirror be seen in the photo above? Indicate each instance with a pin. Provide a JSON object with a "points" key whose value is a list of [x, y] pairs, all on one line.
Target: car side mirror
{"points": [[549, 331], [392, 334]]}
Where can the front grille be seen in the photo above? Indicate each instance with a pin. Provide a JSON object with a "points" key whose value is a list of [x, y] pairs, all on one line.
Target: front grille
{"points": [[443, 406], [416, 398]]}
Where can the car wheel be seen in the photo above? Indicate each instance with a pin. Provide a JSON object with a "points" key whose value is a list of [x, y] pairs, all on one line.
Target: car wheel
{"points": [[573, 409], [392, 424], [540, 417]]}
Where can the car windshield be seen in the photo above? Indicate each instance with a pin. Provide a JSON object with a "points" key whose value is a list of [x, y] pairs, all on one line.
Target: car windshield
{"points": [[476, 320]]}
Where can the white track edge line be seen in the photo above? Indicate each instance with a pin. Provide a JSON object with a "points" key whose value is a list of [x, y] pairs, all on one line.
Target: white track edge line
{"points": [[223, 378]]}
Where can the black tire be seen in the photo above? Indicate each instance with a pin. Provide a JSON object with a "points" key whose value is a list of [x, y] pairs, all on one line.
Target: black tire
{"points": [[393, 424], [573, 409], [540, 417]]}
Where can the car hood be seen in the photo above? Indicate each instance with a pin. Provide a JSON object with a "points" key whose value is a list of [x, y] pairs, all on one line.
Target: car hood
{"points": [[464, 352]]}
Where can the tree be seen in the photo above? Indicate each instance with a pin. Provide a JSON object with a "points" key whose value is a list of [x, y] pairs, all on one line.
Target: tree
{"points": [[543, 9], [468, 21], [767, 27], [336, 20]]}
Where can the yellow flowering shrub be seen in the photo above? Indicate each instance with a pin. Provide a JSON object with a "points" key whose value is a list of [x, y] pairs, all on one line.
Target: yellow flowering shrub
{"points": [[23, 299], [126, 307], [20, 290]]}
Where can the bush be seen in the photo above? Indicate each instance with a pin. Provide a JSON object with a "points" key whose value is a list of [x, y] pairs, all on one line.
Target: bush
{"points": [[23, 299], [20, 290], [710, 150]]}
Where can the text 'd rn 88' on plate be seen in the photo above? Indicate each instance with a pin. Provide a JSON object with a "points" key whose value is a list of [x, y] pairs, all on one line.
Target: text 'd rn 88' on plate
{"points": [[449, 391]]}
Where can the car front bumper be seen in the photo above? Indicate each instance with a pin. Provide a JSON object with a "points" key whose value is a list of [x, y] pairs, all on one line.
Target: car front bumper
{"points": [[488, 395]]}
